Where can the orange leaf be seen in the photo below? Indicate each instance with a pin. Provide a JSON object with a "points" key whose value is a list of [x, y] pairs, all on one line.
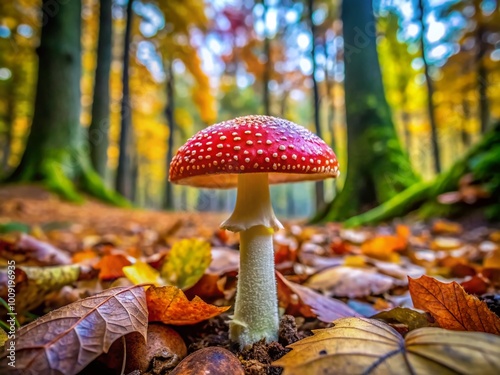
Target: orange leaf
{"points": [[111, 266], [83, 256], [384, 247], [452, 307], [403, 231], [169, 304]]}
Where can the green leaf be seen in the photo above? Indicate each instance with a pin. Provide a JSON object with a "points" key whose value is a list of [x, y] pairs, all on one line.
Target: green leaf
{"points": [[14, 226], [187, 262]]}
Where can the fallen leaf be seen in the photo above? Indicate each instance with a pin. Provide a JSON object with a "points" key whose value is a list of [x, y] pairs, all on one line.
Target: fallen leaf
{"points": [[411, 318], [224, 260], [111, 266], [368, 346], [33, 284], [351, 282], [68, 339], [3, 337], [475, 285], [309, 303], [384, 247], [169, 304], [14, 226], [446, 227], [452, 307], [34, 252], [492, 260], [403, 232], [446, 243], [142, 273], [84, 256], [187, 261]]}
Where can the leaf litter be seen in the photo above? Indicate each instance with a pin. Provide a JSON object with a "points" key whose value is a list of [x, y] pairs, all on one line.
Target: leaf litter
{"points": [[327, 276]]}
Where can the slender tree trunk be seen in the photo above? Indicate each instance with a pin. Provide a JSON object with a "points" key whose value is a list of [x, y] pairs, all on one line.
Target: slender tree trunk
{"points": [[378, 167], [266, 97], [99, 127], [330, 98], [319, 186], [482, 82], [8, 134], [123, 173], [184, 199], [430, 93], [464, 132], [54, 152], [405, 119], [169, 114]]}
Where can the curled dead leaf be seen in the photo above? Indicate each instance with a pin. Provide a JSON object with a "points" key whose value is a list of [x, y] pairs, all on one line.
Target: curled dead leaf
{"points": [[308, 303], [351, 282]]}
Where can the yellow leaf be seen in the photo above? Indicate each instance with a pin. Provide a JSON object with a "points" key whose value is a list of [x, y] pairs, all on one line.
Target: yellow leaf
{"points": [[492, 260], [142, 273], [368, 346], [170, 305], [186, 263]]}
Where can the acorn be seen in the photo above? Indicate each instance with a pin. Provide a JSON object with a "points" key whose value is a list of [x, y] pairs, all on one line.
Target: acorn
{"points": [[212, 360]]}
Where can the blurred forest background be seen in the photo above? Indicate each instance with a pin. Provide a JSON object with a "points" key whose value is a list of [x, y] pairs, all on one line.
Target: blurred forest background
{"points": [[151, 73]]}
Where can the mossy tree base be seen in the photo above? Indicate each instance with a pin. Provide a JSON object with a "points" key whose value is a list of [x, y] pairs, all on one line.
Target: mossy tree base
{"points": [[482, 161], [66, 173]]}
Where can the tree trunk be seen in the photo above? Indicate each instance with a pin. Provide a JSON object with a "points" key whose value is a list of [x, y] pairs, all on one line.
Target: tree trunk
{"points": [[378, 167], [124, 172], [430, 93], [266, 98], [464, 131], [54, 152], [8, 134], [482, 81], [319, 186], [99, 127], [168, 202], [405, 119]]}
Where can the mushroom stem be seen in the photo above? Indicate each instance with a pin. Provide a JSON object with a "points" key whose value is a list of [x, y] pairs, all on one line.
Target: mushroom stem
{"points": [[253, 204], [256, 307]]}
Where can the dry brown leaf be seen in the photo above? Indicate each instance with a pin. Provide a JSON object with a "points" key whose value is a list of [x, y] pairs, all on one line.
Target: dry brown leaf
{"points": [[367, 346], [309, 303], [452, 307], [351, 282], [169, 304], [68, 339]]}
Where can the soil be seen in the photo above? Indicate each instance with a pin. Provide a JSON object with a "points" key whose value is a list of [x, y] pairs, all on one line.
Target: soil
{"points": [[257, 359]]}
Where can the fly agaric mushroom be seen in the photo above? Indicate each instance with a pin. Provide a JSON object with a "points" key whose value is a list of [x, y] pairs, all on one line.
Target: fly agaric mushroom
{"points": [[250, 153]]}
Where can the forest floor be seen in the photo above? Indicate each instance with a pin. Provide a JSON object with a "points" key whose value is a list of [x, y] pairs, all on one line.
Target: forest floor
{"points": [[324, 272]]}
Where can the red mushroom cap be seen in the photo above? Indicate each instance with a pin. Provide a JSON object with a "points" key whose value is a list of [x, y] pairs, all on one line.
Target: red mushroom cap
{"points": [[215, 156]]}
